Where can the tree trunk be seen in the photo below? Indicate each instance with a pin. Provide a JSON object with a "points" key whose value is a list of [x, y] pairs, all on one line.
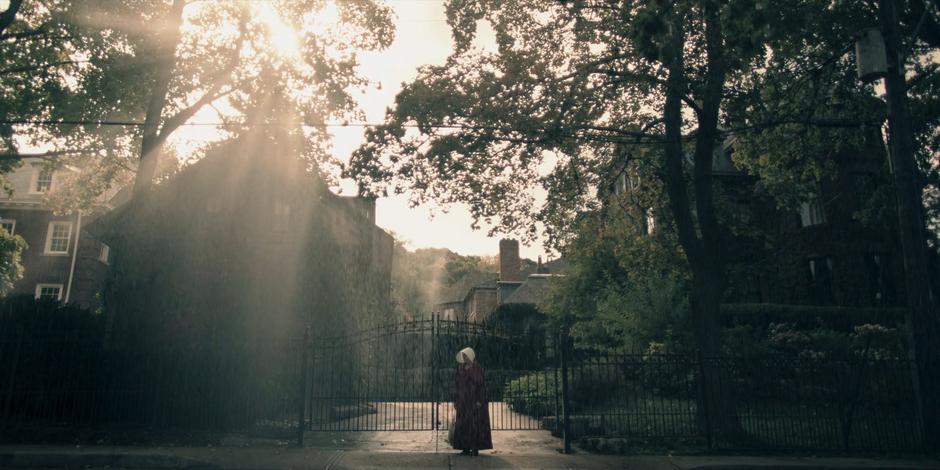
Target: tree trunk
{"points": [[8, 15], [700, 241], [152, 140], [922, 313]]}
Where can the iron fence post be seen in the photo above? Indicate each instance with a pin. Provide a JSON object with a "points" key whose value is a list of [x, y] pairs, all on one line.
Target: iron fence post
{"points": [[11, 382], [703, 399], [302, 398], [565, 405], [435, 424]]}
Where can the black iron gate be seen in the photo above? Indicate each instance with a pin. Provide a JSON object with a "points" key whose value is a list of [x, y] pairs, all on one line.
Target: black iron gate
{"points": [[400, 377]]}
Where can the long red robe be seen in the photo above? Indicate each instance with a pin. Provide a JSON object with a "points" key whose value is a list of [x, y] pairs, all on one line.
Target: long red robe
{"points": [[472, 421]]}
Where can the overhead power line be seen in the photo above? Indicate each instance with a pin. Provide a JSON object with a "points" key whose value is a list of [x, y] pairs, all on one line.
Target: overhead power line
{"points": [[79, 122], [74, 122]]}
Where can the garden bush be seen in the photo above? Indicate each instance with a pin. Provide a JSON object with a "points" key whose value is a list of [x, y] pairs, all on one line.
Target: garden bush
{"points": [[588, 385], [533, 394]]}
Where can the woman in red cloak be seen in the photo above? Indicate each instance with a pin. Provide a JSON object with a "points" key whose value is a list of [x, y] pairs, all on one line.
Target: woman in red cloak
{"points": [[472, 423]]}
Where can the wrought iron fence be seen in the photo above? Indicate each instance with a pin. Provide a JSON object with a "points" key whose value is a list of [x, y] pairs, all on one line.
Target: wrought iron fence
{"points": [[76, 382], [779, 402], [400, 377]]}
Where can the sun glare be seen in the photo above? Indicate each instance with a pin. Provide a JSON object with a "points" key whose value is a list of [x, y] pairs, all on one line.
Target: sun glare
{"points": [[284, 39]]}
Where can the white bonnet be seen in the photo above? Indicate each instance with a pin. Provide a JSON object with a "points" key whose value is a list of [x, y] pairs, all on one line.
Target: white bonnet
{"points": [[469, 352]]}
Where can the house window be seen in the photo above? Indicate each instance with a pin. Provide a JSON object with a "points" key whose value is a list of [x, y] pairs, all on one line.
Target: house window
{"points": [[49, 291], [820, 276], [620, 186], [42, 180], [58, 237], [627, 181], [880, 287], [104, 254], [8, 224], [811, 213]]}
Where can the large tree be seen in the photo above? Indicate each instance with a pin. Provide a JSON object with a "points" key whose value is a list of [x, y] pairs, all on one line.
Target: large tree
{"points": [[47, 53], [578, 81], [305, 50], [104, 84], [586, 86]]}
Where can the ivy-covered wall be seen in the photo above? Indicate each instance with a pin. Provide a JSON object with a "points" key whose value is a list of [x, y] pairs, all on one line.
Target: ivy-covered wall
{"points": [[245, 245]]}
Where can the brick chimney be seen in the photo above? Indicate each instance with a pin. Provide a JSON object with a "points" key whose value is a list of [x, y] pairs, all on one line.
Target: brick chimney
{"points": [[509, 270]]}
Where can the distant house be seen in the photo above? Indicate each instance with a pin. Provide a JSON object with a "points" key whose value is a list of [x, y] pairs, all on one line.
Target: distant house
{"points": [[248, 243], [518, 283], [64, 261]]}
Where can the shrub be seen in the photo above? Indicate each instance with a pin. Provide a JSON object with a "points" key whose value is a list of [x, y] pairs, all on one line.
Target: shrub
{"points": [[588, 386], [533, 394], [808, 316], [23, 317]]}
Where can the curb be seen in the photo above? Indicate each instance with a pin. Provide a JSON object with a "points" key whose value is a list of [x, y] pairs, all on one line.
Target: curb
{"points": [[92, 459]]}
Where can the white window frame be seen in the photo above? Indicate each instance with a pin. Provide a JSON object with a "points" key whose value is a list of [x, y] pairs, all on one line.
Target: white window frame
{"points": [[49, 232], [812, 213], [104, 254], [11, 222], [34, 182], [40, 287]]}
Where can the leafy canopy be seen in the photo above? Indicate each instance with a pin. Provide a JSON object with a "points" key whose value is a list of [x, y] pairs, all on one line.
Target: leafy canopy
{"points": [[83, 62]]}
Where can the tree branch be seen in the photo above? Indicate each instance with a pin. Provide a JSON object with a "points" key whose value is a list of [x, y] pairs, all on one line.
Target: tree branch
{"points": [[41, 67], [7, 17], [212, 93], [174, 122], [44, 155], [24, 34]]}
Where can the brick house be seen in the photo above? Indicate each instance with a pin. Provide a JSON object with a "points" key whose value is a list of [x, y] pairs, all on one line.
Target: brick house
{"points": [[247, 242], [53, 267], [519, 282], [820, 254]]}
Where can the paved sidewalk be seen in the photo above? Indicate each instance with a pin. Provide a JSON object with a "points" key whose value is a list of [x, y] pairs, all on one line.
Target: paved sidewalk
{"points": [[332, 459]]}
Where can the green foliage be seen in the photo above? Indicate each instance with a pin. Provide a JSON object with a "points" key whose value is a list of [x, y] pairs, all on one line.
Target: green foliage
{"points": [[589, 386], [105, 59], [425, 277], [415, 280], [622, 287], [809, 316], [51, 52], [519, 320], [578, 89], [469, 269], [871, 340], [11, 267], [533, 394]]}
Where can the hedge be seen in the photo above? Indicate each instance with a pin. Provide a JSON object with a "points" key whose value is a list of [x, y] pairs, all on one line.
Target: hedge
{"points": [[810, 316]]}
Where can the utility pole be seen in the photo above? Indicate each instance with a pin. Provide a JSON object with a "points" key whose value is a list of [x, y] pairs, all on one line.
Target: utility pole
{"points": [[922, 316]]}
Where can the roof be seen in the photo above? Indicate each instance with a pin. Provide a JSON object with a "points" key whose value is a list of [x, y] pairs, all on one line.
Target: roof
{"points": [[488, 285], [531, 291], [255, 163], [556, 265]]}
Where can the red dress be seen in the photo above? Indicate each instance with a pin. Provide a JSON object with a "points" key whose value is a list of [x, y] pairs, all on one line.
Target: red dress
{"points": [[472, 423]]}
